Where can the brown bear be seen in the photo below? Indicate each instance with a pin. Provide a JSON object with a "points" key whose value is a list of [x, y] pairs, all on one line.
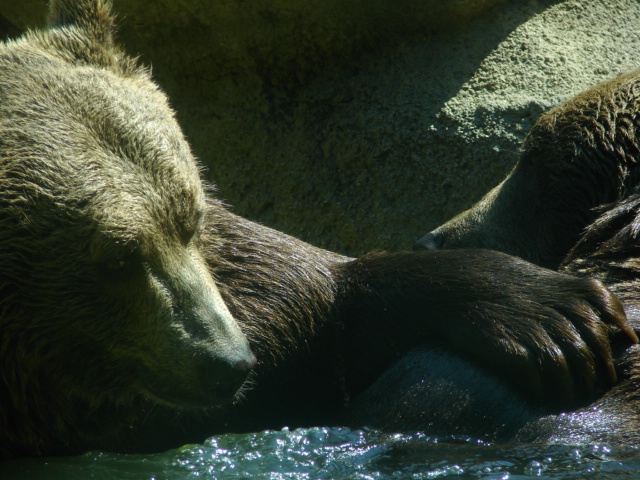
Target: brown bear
{"points": [[578, 156], [138, 313], [573, 203]]}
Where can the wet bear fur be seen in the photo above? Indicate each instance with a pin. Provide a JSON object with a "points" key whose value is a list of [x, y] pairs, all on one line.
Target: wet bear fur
{"points": [[573, 203], [138, 313]]}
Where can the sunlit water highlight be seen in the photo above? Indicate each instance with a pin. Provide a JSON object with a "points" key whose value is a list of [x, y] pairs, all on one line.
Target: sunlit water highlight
{"points": [[340, 453]]}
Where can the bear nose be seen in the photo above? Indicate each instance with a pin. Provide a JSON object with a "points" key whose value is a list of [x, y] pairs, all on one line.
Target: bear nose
{"points": [[431, 241], [222, 377]]}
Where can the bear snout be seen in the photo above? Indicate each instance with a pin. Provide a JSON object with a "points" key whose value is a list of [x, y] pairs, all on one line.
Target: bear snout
{"points": [[431, 241], [204, 378], [221, 377]]}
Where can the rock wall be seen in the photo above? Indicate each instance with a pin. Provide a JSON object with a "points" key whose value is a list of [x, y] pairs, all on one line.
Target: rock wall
{"points": [[360, 124]]}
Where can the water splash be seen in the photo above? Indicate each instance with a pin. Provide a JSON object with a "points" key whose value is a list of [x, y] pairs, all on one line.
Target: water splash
{"points": [[340, 454]]}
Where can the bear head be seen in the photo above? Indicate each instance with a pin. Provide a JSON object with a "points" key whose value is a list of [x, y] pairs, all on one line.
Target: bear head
{"points": [[104, 290]]}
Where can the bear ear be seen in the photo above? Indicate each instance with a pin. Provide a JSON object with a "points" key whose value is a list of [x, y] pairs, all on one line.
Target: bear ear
{"points": [[95, 44], [93, 17]]}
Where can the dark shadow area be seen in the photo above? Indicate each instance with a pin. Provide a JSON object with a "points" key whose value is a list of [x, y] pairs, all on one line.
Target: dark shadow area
{"points": [[7, 29]]}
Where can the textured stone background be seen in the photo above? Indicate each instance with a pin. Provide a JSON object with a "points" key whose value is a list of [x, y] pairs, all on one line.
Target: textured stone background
{"points": [[362, 124]]}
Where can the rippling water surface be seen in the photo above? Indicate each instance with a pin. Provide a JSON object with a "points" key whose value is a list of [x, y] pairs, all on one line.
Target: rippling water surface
{"points": [[339, 453]]}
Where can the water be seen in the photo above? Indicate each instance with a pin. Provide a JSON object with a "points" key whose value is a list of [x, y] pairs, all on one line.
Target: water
{"points": [[337, 454]]}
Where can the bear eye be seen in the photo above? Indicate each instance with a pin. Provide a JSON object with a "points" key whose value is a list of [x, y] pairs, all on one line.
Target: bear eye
{"points": [[187, 235], [117, 265], [191, 229], [120, 266]]}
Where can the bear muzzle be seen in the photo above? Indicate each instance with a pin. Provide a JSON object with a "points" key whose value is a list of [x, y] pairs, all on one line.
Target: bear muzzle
{"points": [[203, 357], [221, 378], [433, 240], [205, 379]]}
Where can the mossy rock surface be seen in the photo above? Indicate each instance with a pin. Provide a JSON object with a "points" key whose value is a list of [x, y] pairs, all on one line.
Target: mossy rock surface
{"points": [[360, 125]]}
